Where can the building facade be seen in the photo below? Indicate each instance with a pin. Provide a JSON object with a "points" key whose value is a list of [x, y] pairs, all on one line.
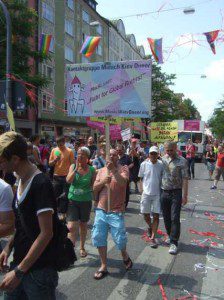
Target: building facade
{"points": [[69, 22]]}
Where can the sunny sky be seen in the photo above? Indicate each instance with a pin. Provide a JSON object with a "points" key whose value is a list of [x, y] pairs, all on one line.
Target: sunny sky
{"points": [[188, 61]]}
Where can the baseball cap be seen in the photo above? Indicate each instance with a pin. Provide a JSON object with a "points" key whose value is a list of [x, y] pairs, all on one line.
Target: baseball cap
{"points": [[153, 149], [6, 139], [134, 140]]}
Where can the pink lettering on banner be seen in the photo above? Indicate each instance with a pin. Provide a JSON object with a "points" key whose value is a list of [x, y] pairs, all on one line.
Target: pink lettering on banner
{"points": [[191, 125]]}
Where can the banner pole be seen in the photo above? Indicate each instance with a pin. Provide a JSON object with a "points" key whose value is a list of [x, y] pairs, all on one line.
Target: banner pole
{"points": [[107, 133]]}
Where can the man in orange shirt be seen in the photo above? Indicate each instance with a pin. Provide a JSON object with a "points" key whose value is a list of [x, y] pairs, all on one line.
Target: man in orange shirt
{"points": [[110, 218], [219, 167], [61, 159]]}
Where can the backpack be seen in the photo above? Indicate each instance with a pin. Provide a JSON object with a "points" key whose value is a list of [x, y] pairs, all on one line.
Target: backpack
{"points": [[65, 255]]}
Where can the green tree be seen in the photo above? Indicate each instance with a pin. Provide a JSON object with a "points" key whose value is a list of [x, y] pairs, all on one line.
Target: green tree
{"points": [[24, 55], [190, 110], [216, 122]]}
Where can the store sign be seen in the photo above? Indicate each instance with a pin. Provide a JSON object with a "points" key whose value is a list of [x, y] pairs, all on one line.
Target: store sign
{"points": [[47, 128]]}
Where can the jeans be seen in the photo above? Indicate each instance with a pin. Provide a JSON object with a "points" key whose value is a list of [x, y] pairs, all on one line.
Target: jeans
{"points": [[38, 284], [61, 188], [191, 162], [171, 207]]}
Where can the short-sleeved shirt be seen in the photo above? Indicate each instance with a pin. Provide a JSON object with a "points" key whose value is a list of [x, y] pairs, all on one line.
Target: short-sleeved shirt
{"points": [[117, 191], [81, 188], [6, 196], [190, 151], [99, 162], [220, 160], [125, 160], [36, 198], [152, 177], [62, 166], [175, 170]]}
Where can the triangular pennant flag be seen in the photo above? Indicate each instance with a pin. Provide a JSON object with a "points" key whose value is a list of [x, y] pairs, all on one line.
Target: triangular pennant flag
{"points": [[89, 45], [45, 41], [10, 117], [156, 48], [211, 37]]}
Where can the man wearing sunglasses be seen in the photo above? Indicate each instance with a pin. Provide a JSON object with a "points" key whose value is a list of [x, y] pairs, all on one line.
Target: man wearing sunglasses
{"points": [[150, 172], [174, 192]]}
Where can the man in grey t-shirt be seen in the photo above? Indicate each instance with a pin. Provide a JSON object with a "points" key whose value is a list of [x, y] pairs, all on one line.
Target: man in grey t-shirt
{"points": [[174, 182]]}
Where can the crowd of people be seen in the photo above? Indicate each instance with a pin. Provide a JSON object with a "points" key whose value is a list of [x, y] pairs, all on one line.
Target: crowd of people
{"points": [[65, 180]]}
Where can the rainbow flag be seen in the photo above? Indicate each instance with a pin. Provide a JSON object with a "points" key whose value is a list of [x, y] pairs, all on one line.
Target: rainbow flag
{"points": [[45, 41], [211, 37], [156, 48], [89, 45]]}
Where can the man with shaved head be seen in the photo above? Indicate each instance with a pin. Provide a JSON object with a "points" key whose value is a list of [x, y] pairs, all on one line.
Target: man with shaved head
{"points": [[110, 218], [174, 192]]}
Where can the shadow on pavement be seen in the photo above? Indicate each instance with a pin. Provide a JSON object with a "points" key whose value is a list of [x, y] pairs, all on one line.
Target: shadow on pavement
{"points": [[134, 230], [188, 248]]}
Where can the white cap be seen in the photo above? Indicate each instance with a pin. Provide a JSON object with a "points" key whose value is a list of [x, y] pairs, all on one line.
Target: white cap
{"points": [[153, 149]]}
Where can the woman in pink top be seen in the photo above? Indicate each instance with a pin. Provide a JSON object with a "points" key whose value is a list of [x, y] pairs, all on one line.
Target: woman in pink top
{"points": [[190, 156]]}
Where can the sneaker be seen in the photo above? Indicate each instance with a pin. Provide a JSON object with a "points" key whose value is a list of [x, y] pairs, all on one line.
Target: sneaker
{"points": [[173, 249], [213, 187], [167, 241]]}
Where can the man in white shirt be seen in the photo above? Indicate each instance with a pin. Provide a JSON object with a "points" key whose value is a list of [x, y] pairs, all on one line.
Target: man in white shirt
{"points": [[6, 212], [150, 172]]}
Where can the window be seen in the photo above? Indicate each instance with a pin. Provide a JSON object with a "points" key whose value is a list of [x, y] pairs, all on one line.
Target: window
{"points": [[99, 50], [99, 29], [51, 48], [92, 4], [47, 12], [69, 27], [85, 17], [47, 103], [69, 55], [85, 59], [47, 71], [70, 4]]}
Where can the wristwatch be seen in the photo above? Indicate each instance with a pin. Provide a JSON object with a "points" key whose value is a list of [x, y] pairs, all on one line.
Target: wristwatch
{"points": [[19, 273]]}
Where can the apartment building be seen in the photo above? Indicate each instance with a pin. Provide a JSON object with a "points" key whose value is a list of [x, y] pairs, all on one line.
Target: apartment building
{"points": [[69, 22]]}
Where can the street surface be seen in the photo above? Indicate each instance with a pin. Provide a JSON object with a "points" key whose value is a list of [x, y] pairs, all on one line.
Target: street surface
{"points": [[197, 270]]}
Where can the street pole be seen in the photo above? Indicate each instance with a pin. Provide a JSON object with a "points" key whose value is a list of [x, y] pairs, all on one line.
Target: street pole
{"points": [[8, 94]]}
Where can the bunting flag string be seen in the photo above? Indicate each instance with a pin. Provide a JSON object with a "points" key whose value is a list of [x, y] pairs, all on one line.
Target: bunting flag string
{"points": [[211, 36], [89, 45], [45, 41], [156, 49]]}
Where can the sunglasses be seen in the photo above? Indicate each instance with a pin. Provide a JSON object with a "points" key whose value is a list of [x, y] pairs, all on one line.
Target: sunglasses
{"points": [[153, 153]]}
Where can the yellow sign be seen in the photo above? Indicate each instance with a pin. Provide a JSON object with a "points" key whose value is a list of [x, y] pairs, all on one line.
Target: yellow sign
{"points": [[10, 117], [114, 120], [164, 131]]}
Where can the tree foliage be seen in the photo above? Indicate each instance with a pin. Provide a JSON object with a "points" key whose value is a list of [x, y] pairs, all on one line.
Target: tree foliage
{"points": [[167, 105], [216, 122], [24, 55]]}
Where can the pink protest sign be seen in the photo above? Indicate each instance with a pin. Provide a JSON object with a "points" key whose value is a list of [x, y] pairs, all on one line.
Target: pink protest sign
{"points": [[115, 130], [192, 125]]}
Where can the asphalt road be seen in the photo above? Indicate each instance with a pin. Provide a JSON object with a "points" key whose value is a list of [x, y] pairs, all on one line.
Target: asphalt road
{"points": [[197, 271]]}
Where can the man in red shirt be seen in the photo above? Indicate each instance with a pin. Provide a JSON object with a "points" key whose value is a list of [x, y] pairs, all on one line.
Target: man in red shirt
{"points": [[219, 168], [190, 156]]}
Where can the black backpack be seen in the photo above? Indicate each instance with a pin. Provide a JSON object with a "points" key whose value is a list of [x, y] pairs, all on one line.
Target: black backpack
{"points": [[65, 255]]}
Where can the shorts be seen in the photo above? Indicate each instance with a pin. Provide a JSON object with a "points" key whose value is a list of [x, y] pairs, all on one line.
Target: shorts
{"points": [[218, 173], [79, 211], [150, 204], [211, 166], [105, 222]]}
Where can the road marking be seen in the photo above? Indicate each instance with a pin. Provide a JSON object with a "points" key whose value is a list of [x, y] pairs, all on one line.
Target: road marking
{"points": [[145, 258], [69, 276]]}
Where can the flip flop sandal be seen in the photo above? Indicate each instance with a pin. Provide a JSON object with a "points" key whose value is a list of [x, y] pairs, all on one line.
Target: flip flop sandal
{"points": [[128, 264], [83, 253], [101, 274]]}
